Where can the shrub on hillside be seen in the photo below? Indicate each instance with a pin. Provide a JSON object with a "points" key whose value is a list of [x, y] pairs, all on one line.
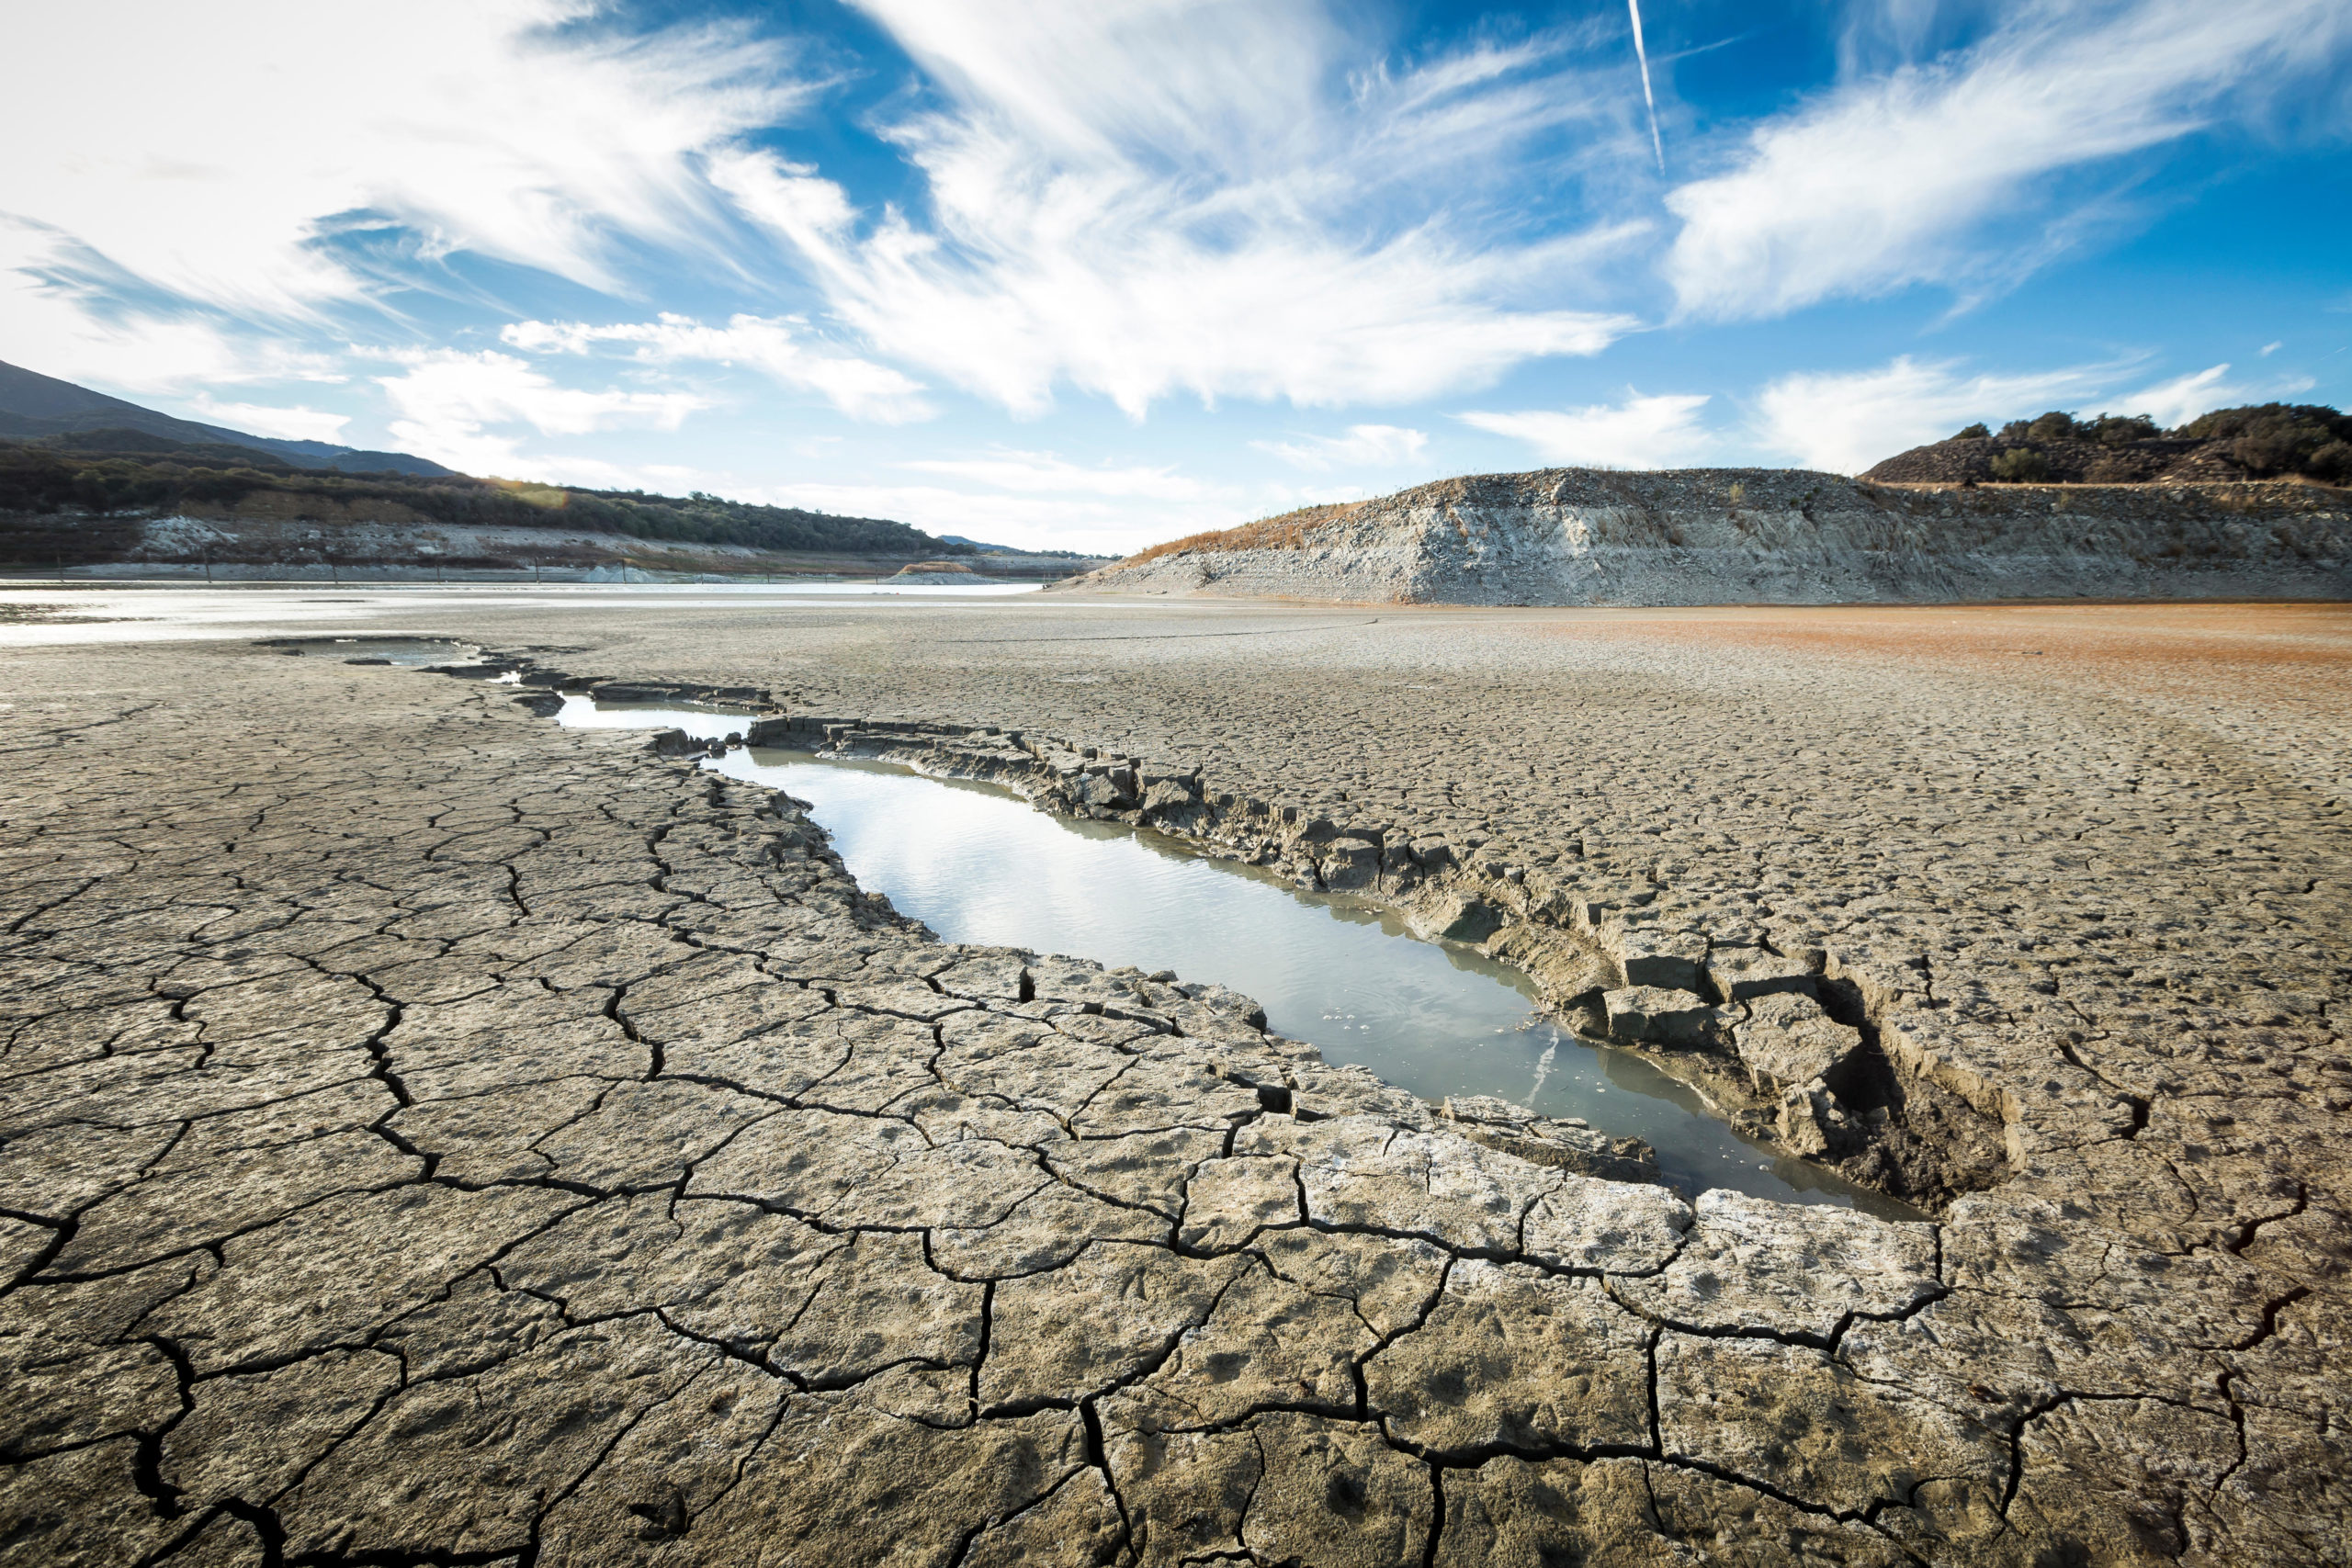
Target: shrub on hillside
{"points": [[2261, 441], [2274, 438], [2055, 426], [2021, 466], [2116, 430]]}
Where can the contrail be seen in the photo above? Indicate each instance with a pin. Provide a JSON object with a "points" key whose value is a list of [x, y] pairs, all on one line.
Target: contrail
{"points": [[1643, 55]]}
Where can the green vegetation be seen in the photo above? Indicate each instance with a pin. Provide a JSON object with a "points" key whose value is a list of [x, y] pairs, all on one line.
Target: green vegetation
{"points": [[119, 472], [2021, 466], [2105, 430], [2281, 438], [2258, 442]]}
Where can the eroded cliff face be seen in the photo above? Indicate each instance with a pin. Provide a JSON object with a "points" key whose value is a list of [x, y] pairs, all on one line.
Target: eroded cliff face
{"points": [[1723, 536]]}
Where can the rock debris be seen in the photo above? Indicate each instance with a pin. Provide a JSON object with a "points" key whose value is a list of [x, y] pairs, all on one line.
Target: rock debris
{"points": [[1767, 536]]}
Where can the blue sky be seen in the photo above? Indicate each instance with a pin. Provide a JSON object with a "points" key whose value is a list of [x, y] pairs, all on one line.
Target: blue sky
{"points": [[1092, 274]]}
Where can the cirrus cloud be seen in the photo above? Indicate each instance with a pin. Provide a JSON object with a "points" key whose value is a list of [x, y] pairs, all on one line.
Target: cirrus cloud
{"points": [[1640, 433], [859, 388], [520, 129], [448, 402], [1893, 179], [1218, 199], [1846, 421], [1363, 446], [2182, 398], [1045, 473], [300, 424]]}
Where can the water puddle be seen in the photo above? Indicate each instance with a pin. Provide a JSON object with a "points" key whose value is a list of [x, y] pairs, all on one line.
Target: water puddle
{"points": [[702, 723], [409, 652], [976, 863]]}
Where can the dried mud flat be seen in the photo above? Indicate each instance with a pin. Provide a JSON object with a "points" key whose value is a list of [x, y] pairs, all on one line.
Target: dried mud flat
{"points": [[435, 1137]]}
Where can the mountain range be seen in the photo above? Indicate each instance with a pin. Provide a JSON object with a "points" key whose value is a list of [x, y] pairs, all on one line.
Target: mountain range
{"points": [[33, 406], [96, 483]]}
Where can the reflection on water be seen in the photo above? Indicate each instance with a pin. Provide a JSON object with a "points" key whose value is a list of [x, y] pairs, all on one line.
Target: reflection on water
{"points": [[410, 652], [976, 864], [702, 723]]}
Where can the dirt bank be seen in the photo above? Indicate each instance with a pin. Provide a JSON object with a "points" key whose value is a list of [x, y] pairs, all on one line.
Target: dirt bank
{"points": [[1767, 536]]}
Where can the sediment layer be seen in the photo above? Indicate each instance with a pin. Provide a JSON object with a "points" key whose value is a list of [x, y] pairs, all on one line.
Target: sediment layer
{"points": [[434, 1136], [1772, 536]]}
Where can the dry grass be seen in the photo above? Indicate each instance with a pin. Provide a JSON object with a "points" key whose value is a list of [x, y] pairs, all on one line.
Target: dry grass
{"points": [[1287, 531], [547, 497]]}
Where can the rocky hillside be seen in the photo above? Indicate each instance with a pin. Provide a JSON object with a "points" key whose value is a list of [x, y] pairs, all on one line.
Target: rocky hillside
{"points": [[1769, 536], [2268, 441]]}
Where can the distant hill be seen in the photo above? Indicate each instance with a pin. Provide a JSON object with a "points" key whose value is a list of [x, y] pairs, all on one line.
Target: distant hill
{"points": [[82, 475], [1016, 550], [1767, 536], [33, 405], [2257, 442], [86, 497]]}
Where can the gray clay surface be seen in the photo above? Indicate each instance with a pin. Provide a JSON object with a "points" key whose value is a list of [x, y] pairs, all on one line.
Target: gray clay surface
{"points": [[434, 1137]]}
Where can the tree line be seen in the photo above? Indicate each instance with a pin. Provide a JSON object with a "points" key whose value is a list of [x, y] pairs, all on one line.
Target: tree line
{"points": [[78, 475]]}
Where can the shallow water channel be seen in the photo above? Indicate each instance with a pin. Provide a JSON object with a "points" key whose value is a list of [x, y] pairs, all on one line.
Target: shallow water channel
{"points": [[976, 863], [408, 652]]}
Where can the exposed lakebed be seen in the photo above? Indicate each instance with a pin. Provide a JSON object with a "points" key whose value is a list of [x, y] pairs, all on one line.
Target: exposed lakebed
{"points": [[976, 863]]}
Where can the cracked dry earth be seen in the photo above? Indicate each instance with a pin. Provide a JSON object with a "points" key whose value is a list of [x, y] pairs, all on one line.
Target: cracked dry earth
{"points": [[434, 1137]]}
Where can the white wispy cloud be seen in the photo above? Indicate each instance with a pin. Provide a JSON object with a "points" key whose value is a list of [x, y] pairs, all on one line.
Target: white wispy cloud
{"points": [[1363, 446], [1846, 421], [1113, 303], [1184, 196], [2183, 398], [1109, 525], [61, 320], [1133, 199], [520, 129], [181, 180], [449, 405], [287, 425], [1895, 179], [1045, 473], [1641, 432], [773, 346], [1147, 199]]}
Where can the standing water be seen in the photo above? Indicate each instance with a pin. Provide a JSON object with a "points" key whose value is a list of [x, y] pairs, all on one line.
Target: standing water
{"points": [[978, 865], [409, 652]]}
